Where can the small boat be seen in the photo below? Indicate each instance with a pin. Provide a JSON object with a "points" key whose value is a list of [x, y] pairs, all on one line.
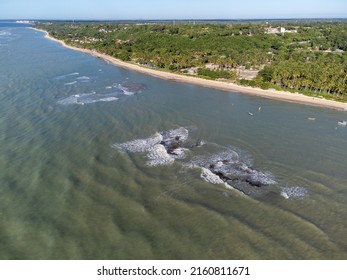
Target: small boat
{"points": [[249, 113], [342, 123], [311, 119]]}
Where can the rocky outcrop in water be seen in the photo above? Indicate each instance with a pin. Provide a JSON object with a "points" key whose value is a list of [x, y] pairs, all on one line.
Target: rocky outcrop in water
{"points": [[236, 171], [165, 147], [162, 148], [230, 167], [174, 142]]}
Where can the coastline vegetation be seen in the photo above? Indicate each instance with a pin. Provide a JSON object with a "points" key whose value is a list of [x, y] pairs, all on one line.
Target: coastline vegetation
{"points": [[302, 56]]}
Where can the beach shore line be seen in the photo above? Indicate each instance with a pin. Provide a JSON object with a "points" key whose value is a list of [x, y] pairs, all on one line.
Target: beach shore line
{"points": [[221, 85]]}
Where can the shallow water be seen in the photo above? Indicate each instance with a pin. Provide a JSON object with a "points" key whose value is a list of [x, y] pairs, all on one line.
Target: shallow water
{"points": [[68, 190]]}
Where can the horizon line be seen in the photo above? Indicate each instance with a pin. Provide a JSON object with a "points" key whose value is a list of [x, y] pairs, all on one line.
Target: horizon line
{"points": [[186, 19]]}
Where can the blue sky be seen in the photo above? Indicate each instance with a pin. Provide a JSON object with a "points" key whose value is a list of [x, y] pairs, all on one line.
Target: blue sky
{"points": [[170, 9]]}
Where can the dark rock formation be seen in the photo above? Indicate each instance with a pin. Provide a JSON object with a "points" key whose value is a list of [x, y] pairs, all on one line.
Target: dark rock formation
{"points": [[235, 171]]}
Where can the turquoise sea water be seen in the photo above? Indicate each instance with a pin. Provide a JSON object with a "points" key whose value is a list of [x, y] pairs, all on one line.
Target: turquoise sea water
{"points": [[74, 186]]}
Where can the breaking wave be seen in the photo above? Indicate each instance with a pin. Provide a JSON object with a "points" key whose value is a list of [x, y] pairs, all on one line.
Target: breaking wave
{"points": [[6, 36], [139, 145], [88, 98], [129, 88], [119, 90], [5, 33], [158, 155], [162, 148], [71, 83], [66, 76], [83, 79], [210, 177], [294, 192], [126, 92]]}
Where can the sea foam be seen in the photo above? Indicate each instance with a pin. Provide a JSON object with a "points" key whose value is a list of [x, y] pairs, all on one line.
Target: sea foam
{"points": [[71, 83], [294, 192], [83, 78], [88, 98], [210, 177], [125, 90], [162, 148], [139, 145], [157, 155], [129, 88], [66, 75], [5, 33]]}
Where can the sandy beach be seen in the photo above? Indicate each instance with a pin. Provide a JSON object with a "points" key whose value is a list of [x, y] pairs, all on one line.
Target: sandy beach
{"points": [[221, 85]]}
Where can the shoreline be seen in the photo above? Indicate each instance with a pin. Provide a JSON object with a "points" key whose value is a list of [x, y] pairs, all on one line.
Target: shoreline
{"points": [[220, 85]]}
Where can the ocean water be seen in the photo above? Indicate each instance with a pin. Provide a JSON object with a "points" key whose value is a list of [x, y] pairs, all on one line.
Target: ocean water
{"points": [[98, 162]]}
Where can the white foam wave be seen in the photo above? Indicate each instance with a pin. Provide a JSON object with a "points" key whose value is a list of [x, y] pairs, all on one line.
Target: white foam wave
{"points": [[210, 177], [83, 78], [87, 98], [162, 148], [294, 192], [128, 93], [80, 99], [67, 75], [157, 155], [140, 145], [179, 153], [5, 33], [205, 161], [108, 99], [264, 178], [125, 90], [69, 100], [71, 83]]}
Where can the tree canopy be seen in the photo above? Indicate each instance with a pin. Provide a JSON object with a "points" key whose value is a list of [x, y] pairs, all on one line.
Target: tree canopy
{"points": [[301, 56]]}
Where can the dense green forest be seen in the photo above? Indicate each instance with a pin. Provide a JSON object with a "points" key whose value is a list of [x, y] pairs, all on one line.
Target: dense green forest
{"points": [[310, 57]]}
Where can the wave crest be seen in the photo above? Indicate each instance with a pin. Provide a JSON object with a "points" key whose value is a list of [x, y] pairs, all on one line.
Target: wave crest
{"points": [[294, 192], [139, 145], [157, 155]]}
